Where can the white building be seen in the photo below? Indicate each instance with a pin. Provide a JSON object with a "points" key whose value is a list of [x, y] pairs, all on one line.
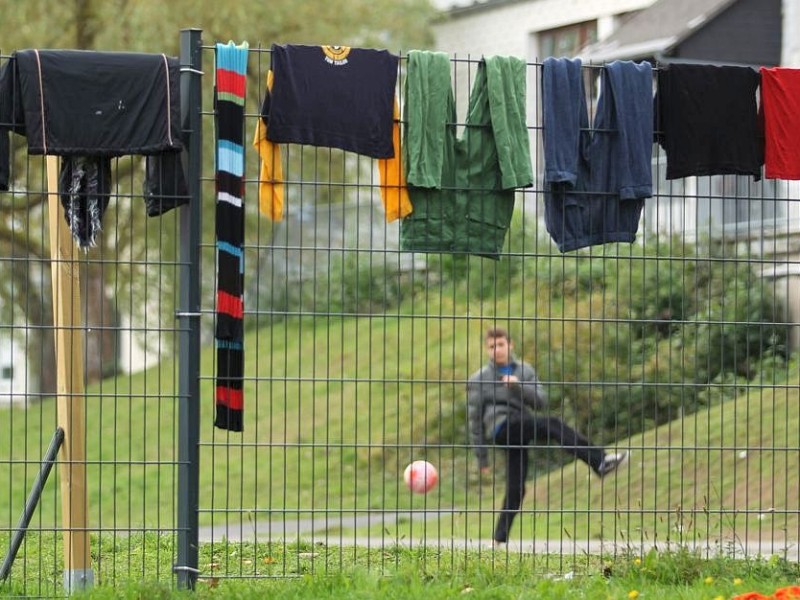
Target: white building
{"points": [[765, 215], [18, 386], [530, 28]]}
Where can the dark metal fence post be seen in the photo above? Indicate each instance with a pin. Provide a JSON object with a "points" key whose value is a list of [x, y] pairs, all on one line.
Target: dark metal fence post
{"points": [[186, 567], [33, 501]]}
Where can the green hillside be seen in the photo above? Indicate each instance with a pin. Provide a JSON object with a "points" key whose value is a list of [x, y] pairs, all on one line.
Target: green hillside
{"points": [[324, 441], [337, 404], [725, 474]]}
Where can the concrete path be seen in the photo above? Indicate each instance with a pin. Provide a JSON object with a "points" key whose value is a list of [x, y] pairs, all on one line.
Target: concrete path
{"points": [[332, 530]]}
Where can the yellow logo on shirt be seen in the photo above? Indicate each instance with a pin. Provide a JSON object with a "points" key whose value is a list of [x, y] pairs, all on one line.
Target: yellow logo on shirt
{"points": [[336, 55]]}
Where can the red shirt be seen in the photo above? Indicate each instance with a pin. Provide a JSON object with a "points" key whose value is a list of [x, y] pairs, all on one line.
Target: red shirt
{"points": [[780, 98]]}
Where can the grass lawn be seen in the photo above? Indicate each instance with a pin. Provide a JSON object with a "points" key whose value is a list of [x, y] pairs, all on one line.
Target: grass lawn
{"points": [[726, 474], [315, 571], [326, 436], [330, 426]]}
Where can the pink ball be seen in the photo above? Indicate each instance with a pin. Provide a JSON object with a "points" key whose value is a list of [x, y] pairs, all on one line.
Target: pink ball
{"points": [[421, 476]]}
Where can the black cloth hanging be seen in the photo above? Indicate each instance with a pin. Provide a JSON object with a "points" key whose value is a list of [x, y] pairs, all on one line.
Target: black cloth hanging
{"points": [[90, 107], [84, 189], [333, 96], [707, 120]]}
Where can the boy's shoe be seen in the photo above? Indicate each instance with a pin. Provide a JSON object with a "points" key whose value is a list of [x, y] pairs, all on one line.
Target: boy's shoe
{"points": [[611, 462]]}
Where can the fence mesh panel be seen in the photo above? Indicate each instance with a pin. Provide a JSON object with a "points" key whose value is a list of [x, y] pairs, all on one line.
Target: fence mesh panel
{"points": [[679, 348], [675, 348], [127, 343]]}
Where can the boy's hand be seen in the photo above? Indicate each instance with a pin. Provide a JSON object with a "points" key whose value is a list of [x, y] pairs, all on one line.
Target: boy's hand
{"points": [[509, 379]]}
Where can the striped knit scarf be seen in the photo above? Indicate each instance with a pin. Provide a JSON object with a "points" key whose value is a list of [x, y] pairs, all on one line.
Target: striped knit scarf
{"points": [[229, 92]]}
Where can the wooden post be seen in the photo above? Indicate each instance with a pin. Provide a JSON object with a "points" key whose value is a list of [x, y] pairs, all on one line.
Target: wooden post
{"points": [[67, 322]]}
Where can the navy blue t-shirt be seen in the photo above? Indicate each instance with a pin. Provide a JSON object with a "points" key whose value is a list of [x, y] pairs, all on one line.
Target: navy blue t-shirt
{"points": [[507, 369], [332, 96]]}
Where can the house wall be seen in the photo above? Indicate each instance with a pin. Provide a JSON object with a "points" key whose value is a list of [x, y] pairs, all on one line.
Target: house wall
{"points": [[17, 385], [790, 53], [782, 247], [748, 32], [790, 280], [507, 28], [133, 352], [792, 294], [510, 29]]}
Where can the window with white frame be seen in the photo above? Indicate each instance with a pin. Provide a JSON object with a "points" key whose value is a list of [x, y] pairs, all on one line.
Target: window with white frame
{"points": [[568, 40]]}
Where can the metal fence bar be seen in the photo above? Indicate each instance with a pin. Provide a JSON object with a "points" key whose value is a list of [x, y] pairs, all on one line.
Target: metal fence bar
{"points": [[48, 461], [358, 358], [189, 316], [319, 483]]}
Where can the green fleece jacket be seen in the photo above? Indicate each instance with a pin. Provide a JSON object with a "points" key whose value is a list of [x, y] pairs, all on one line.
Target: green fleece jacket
{"points": [[462, 190]]}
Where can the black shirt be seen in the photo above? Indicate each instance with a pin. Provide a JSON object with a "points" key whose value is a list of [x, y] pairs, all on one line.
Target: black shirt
{"points": [[707, 120]]}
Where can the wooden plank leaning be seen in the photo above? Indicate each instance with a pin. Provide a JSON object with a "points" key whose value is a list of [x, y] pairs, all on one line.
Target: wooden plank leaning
{"points": [[71, 400]]}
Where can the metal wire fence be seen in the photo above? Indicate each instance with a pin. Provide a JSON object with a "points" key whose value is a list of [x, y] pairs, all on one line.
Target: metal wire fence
{"points": [[127, 341], [681, 349]]}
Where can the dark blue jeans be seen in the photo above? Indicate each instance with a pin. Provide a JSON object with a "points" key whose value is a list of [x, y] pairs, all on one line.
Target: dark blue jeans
{"points": [[515, 436], [596, 174]]}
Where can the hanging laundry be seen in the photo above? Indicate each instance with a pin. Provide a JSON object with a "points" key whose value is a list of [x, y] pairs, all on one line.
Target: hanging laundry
{"points": [[780, 103], [5, 150], [93, 106], [85, 190], [229, 95], [353, 113], [333, 96], [462, 189], [165, 184], [596, 179], [707, 120], [12, 117]]}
